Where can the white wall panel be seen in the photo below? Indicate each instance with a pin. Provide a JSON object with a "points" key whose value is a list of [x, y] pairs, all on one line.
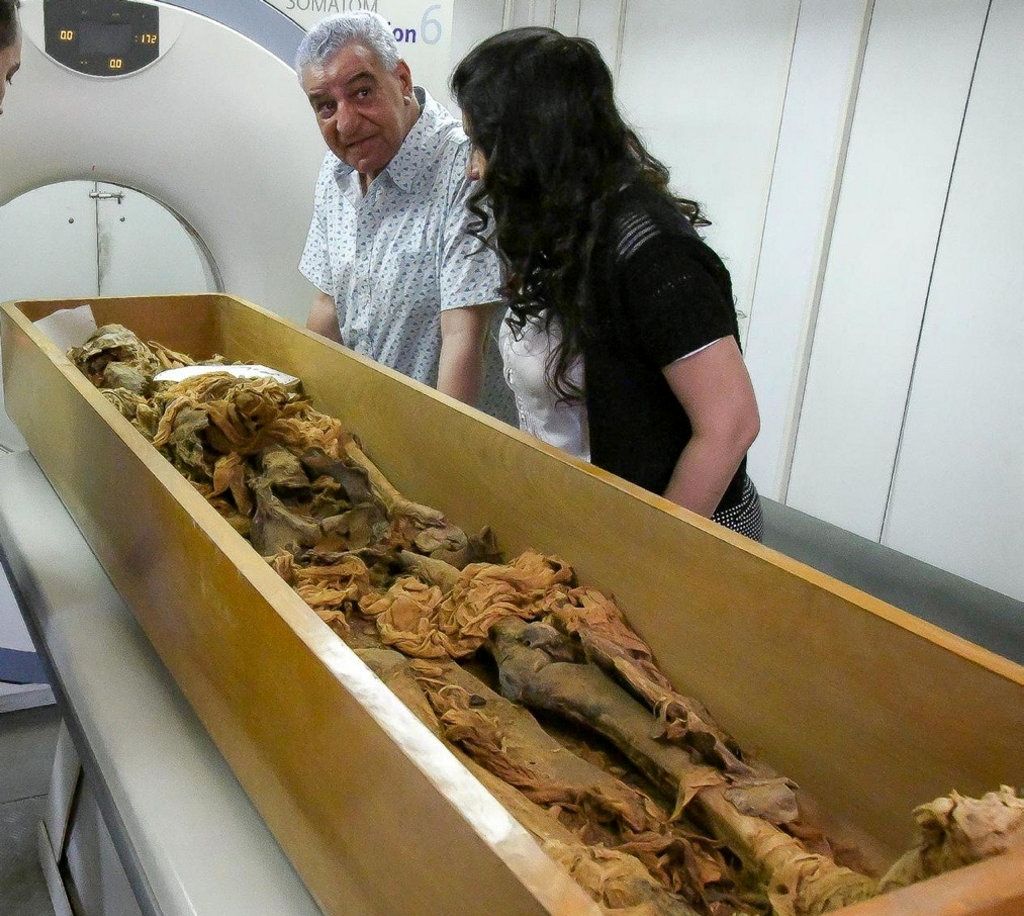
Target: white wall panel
{"points": [[599, 20], [705, 84], [822, 86], [543, 12], [520, 13], [472, 22], [917, 70], [958, 496], [567, 16]]}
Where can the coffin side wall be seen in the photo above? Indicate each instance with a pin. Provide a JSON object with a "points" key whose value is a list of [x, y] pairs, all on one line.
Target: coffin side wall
{"points": [[868, 708], [365, 812], [871, 710]]}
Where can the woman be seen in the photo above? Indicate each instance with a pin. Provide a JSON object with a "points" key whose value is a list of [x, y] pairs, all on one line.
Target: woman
{"points": [[10, 45], [621, 341]]}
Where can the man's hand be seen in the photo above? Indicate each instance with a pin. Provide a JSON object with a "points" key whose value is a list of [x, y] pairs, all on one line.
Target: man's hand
{"points": [[323, 318], [461, 368]]}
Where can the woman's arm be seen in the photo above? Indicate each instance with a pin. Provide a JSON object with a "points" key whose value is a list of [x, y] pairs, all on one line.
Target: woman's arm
{"points": [[461, 367], [714, 388]]}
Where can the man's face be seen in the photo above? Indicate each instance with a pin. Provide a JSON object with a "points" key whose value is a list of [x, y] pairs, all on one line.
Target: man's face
{"points": [[363, 111], [10, 61]]}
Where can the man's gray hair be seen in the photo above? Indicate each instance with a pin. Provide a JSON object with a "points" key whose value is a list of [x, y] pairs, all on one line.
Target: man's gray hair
{"points": [[332, 34]]}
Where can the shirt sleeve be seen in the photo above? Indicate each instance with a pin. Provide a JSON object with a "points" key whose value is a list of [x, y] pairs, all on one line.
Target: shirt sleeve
{"points": [[315, 263], [671, 299], [470, 274]]}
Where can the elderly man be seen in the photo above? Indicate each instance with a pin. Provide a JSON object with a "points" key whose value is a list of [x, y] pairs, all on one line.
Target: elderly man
{"points": [[10, 45], [401, 279]]}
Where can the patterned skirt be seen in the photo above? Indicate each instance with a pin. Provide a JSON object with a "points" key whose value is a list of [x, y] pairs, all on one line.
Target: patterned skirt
{"points": [[745, 517]]}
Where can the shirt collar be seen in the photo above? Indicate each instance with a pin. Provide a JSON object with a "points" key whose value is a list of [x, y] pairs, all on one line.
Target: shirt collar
{"points": [[414, 156]]}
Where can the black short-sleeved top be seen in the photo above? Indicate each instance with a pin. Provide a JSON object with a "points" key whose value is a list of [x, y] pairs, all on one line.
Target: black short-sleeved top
{"points": [[658, 293]]}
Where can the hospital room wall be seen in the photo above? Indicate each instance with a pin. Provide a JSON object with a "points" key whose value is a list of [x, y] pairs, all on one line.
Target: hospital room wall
{"points": [[841, 148]]}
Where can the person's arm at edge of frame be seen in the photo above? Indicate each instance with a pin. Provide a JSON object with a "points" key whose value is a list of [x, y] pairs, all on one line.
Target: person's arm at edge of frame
{"points": [[714, 389], [323, 318], [461, 366]]}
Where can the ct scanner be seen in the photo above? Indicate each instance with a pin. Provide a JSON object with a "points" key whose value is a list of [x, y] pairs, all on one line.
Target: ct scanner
{"points": [[214, 126]]}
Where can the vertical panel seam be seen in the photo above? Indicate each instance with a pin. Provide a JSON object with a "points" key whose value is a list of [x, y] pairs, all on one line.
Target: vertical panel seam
{"points": [[824, 254], [775, 161], [886, 513], [620, 38]]}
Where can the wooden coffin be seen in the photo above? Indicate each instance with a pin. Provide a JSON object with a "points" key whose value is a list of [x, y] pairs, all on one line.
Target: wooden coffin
{"points": [[869, 709]]}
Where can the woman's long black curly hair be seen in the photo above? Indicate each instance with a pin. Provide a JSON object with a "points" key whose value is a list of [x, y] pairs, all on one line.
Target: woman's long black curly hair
{"points": [[540, 107]]}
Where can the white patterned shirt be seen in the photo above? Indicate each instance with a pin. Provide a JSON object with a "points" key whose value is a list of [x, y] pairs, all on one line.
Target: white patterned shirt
{"points": [[395, 258]]}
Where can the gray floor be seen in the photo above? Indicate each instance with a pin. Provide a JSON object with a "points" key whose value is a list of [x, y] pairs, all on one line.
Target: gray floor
{"points": [[27, 741]]}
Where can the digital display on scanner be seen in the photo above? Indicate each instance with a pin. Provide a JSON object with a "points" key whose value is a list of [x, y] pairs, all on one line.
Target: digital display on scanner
{"points": [[104, 37]]}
